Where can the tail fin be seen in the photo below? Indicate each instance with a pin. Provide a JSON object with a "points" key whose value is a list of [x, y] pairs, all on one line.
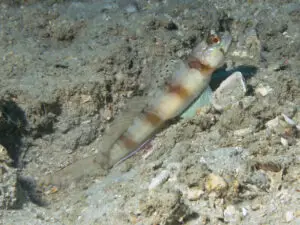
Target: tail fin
{"points": [[97, 164]]}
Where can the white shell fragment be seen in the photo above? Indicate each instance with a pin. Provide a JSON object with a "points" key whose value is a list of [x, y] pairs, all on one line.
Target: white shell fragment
{"points": [[277, 125], [288, 120], [244, 211], [243, 132], [159, 179], [284, 142], [230, 91], [263, 90]]}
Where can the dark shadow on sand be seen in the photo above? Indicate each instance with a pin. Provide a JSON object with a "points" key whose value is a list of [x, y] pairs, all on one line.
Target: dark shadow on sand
{"points": [[221, 74], [13, 129]]}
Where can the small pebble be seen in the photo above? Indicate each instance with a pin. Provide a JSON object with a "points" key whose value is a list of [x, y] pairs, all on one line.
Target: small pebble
{"points": [[288, 120], [159, 179], [244, 211], [215, 183], [131, 8], [255, 206], [231, 215], [263, 90], [194, 194], [242, 132], [284, 142], [273, 124]]}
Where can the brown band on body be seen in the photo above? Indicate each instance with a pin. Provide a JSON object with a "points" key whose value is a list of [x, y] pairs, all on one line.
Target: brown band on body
{"points": [[153, 118], [128, 142], [179, 90], [198, 65]]}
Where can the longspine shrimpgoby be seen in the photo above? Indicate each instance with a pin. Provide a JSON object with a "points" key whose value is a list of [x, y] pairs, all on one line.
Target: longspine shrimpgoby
{"points": [[204, 60], [193, 78]]}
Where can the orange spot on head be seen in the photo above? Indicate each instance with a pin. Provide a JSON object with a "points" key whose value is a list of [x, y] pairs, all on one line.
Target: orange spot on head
{"points": [[213, 39]]}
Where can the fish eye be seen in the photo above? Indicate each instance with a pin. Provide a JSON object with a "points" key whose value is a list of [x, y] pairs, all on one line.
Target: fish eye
{"points": [[213, 39]]}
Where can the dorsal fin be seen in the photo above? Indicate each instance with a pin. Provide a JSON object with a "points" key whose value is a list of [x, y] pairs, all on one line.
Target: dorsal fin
{"points": [[123, 120]]}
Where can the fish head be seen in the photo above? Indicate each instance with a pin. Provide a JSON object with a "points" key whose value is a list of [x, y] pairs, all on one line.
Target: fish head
{"points": [[212, 51]]}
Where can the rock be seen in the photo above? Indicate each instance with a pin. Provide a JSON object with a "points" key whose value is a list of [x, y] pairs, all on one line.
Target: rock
{"points": [[259, 179], [194, 194], [163, 208], [227, 159], [230, 91], [215, 183], [256, 206], [273, 124]]}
